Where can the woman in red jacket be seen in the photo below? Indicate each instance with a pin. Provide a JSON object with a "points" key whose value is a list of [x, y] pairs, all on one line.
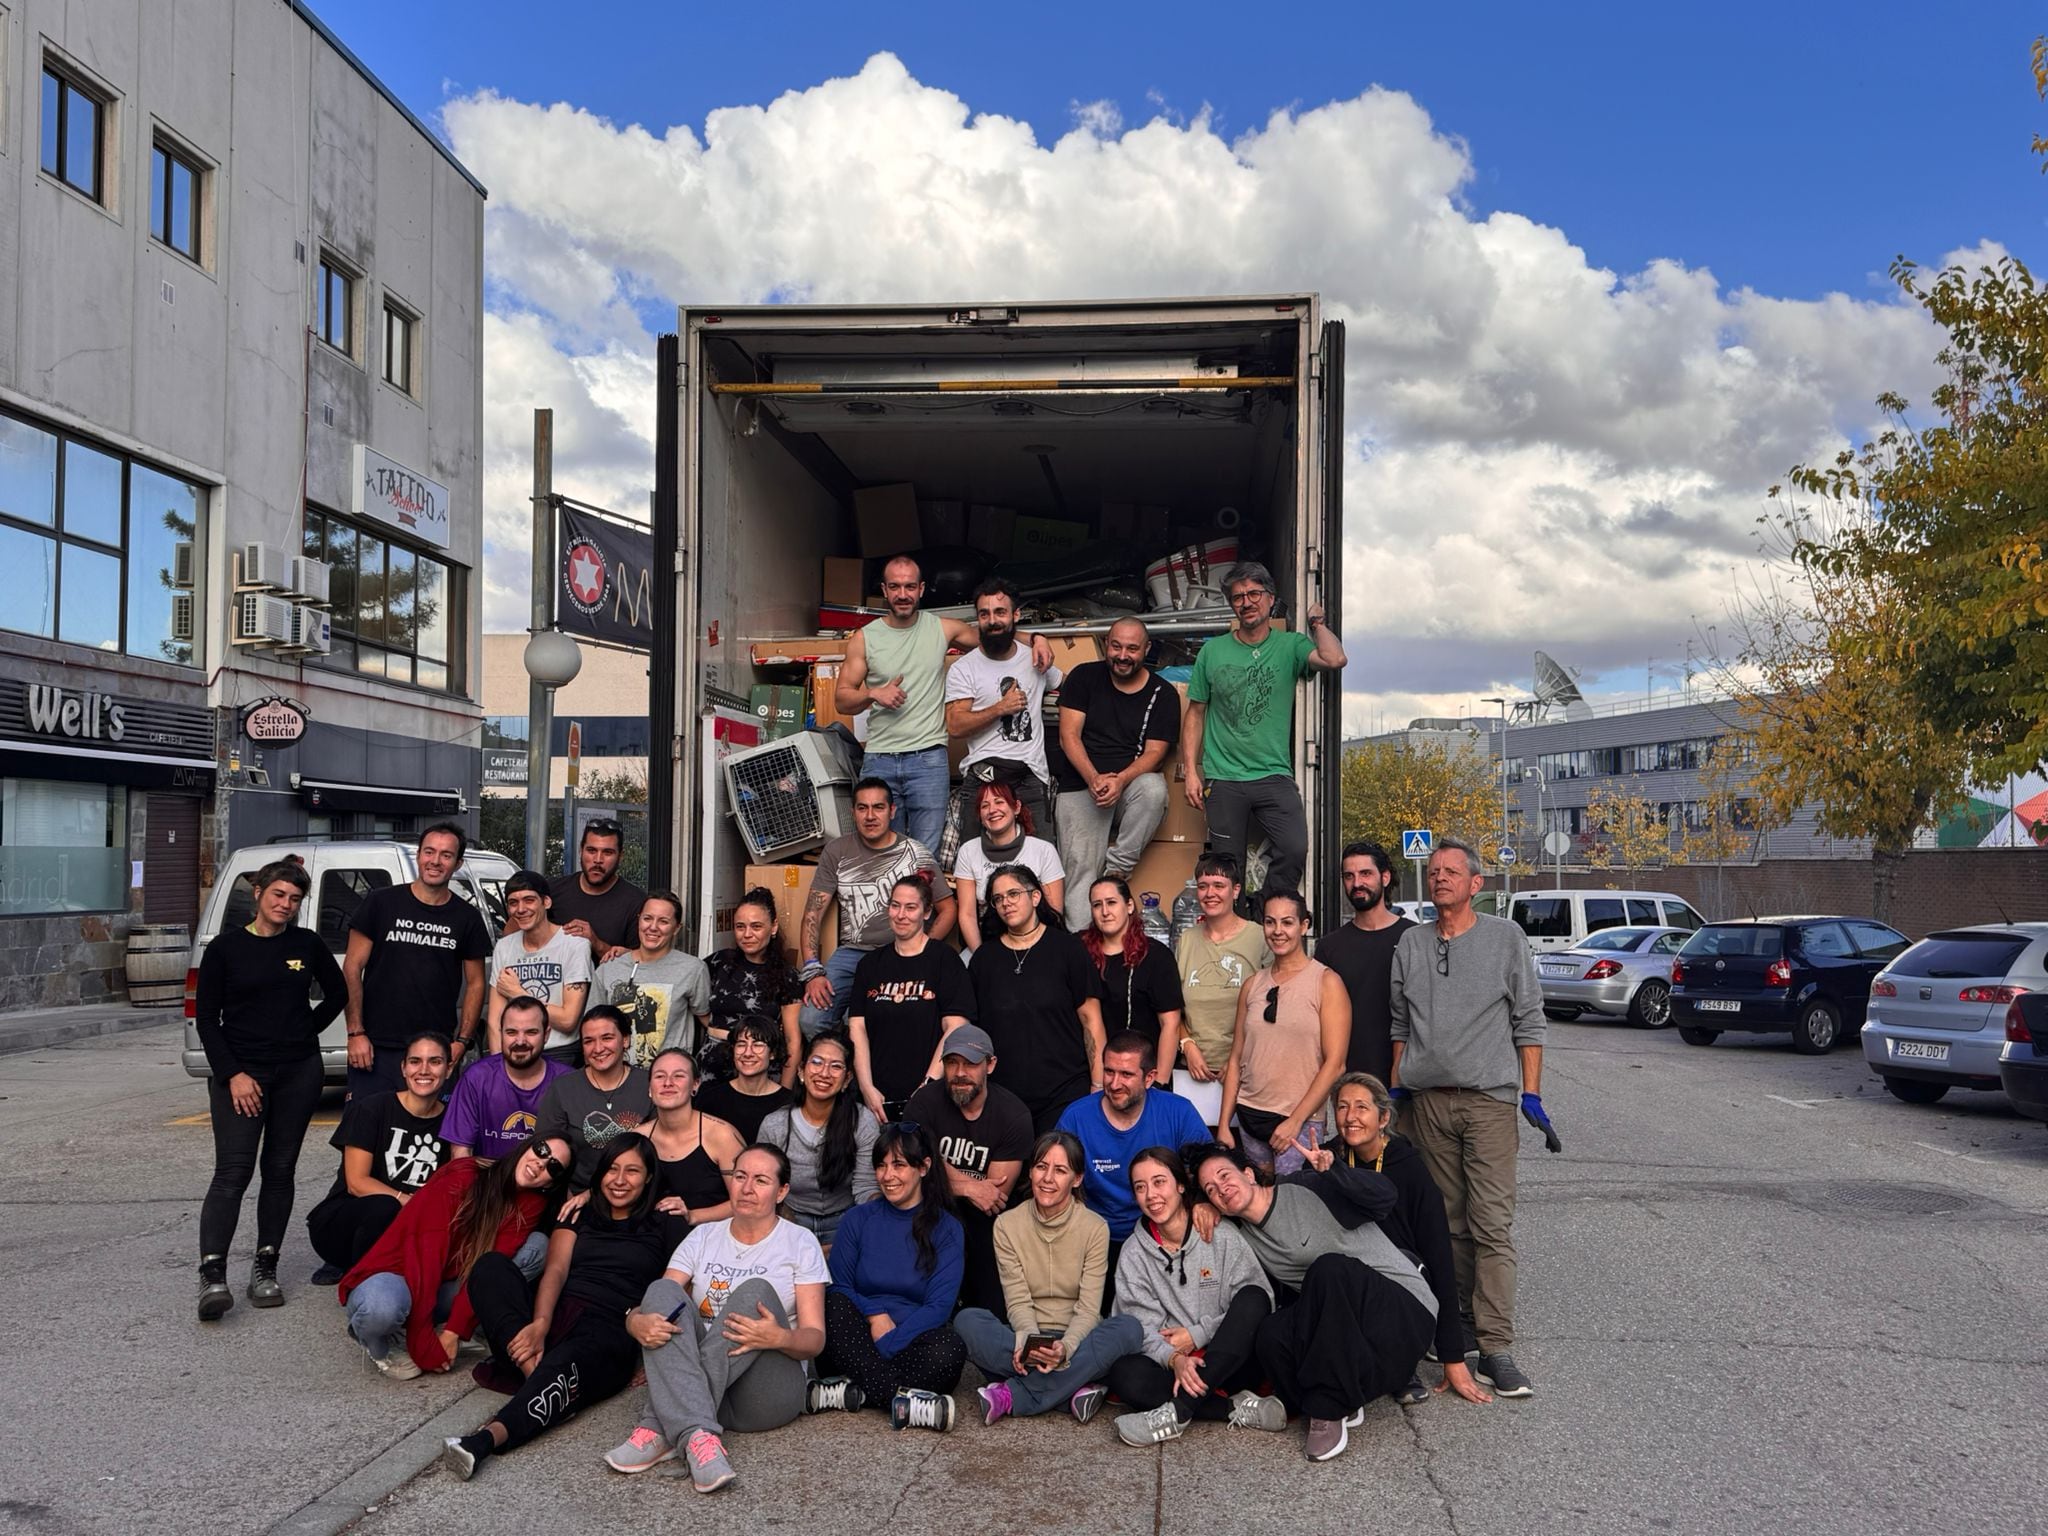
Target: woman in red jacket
{"points": [[407, 1298]]}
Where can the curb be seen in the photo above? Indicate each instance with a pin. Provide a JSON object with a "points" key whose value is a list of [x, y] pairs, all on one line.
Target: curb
{"points": [[36, 1037], [371, 1484]]}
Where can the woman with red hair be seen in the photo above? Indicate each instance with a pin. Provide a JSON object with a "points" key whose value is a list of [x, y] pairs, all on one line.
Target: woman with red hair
{"points": [[1140, 983], [1006, 838]]}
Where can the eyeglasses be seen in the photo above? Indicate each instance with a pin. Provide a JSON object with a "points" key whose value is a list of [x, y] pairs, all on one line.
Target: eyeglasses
{"points": [[826, 1064], [1250, 597], [1273, 1004], [1443, 956]]}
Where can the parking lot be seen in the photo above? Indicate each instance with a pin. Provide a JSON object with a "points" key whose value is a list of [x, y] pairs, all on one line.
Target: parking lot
{"points": [[1756, 1293]]}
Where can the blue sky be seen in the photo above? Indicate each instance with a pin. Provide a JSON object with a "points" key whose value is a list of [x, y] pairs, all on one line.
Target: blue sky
{"points": [[1590, 296], [1793, 147]]}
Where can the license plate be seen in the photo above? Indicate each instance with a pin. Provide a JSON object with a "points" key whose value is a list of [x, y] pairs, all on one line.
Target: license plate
{"points": [[1920, 1050], [1559, 970], [1718, 1005]]}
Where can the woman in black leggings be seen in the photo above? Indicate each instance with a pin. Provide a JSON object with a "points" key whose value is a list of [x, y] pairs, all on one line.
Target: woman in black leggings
{"points": [[561, 1345], [260, 1029]]}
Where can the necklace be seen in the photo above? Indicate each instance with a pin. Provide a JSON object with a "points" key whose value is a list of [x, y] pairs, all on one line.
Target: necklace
{"points": [[1024, 953]]}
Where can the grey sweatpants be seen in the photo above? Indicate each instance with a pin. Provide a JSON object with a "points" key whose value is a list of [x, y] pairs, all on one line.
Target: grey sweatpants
{"points": [[1106, 840], [694, 1377]]}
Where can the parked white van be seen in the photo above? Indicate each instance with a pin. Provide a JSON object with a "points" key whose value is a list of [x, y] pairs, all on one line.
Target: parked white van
{"points": [[1562, 919], [343, 872]]}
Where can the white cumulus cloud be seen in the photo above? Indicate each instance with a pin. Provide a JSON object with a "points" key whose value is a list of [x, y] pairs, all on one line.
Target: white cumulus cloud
{"points": [[1541, 451]]}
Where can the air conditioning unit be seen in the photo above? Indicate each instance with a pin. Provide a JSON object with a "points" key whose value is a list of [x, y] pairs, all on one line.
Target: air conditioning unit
{"points": [[183, 562], [310, 630], [183, 620], [307, 578], [264, 565], [261, 620], [791, 794]]}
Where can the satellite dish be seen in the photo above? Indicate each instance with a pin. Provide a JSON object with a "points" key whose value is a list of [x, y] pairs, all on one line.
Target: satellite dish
{"points": [[1555, 684]]}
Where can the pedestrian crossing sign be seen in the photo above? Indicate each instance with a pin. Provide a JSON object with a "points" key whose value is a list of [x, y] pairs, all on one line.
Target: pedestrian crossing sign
{"points": [[1416, 843]]}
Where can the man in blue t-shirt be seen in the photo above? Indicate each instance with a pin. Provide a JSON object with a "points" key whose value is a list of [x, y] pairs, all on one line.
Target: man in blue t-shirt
{"points": [[1115, 1125]]}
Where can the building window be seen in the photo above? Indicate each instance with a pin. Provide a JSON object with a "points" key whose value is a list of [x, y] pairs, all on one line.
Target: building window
{"points": [[96, 548], [400, 330], [74, 134], [334, 314], [175, 183], [63, 847], [393, 607]]}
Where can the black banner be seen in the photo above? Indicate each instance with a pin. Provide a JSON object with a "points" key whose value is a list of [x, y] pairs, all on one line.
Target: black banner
{"points": [[604, 588]]}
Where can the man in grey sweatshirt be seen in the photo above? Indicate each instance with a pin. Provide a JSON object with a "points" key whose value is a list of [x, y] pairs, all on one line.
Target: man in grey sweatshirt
{"points": [[1468, 1053]]}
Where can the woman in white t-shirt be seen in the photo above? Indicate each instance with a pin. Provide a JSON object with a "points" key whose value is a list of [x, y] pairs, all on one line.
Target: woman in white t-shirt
{"points": [[728, 1330], [1005, 839]]}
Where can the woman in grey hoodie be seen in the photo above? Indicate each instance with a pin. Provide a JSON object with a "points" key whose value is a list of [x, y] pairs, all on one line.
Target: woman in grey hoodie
{"points": [[1200, 1301]]}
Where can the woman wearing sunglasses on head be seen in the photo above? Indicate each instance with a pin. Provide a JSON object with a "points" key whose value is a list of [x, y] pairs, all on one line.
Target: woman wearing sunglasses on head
{"points": [[407, 1298], [829, 1137], [896, 1267], [561, 1344], [1293, 1033]]}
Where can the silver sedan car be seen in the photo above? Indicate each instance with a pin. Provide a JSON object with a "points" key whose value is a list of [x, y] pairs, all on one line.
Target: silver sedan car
{"points": [[1618, 973]]}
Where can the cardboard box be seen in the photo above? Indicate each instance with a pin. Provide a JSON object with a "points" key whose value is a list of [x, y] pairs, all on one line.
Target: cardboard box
{"points": [[791, 884], [943, 522], [1182, 823], [887, 517], [798, 650], [779, 707], [824, 711], [1037, 537], [844, 576], [992, 528], [1165, 868], [1068, 652]]}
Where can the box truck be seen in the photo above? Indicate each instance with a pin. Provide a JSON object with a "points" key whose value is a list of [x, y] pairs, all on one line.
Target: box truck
{"points": [[1108, 456]]}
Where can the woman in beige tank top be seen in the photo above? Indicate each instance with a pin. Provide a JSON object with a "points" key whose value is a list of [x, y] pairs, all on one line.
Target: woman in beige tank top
{"points": [[1293, 1033]]}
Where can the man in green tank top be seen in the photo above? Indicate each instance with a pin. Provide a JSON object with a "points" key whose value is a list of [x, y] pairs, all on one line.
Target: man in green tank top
{"points": [[906, 651]]}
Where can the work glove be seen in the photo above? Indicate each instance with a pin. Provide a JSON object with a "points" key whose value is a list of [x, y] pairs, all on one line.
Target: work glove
{"points": [[1533, 1112], [1400, 1095]]}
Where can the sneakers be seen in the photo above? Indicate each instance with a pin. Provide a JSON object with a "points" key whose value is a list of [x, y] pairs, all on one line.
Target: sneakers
{"points": [[458, 1458], [1499, 1371], [709, 1470], [215, 1299], [264, 1291], [328, 1274], [1414, 1392], [398, 1365], [1084, 1403], [1248, 1410], [921, 1408], [833, 1394], [1151, 1428], [644, 1448], [1326, 1439], [995, 1401]]}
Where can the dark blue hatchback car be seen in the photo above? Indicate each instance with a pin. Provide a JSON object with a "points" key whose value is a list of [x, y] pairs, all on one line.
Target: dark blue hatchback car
{"points": [[1807, 975]]}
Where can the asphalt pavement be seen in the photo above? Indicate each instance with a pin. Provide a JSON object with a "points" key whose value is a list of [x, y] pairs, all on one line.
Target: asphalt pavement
{"points": [[1756, 1294]]}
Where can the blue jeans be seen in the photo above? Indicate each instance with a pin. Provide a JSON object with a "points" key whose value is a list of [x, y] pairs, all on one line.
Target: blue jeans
{"points": [[991, 1341], [918, 780], [839, 968], [378, 1309]]}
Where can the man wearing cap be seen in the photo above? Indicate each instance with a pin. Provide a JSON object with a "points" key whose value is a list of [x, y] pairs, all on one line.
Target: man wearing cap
{"points": [[983, 1133]]}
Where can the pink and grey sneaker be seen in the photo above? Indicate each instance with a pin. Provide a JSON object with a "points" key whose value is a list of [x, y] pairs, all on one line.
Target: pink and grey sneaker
{"points": [[643, 1448], [1084, 1403], [709, 1470], [995, 1401]]}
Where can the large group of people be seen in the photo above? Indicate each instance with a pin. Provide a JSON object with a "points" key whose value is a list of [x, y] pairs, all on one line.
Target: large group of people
{"points": [[1261, 1173]]}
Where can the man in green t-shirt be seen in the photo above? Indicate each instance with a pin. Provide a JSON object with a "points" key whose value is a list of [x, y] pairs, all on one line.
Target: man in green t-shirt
{"points": [[1237, 743]]}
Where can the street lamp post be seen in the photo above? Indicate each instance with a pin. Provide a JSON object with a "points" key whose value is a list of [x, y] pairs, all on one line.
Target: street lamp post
{"points": [[552, 658], [1507, 878], [1543, 822]]}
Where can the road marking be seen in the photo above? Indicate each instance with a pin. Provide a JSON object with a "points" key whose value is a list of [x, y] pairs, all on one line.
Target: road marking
{"points": [[1800, 1103], [1944, 1151]]}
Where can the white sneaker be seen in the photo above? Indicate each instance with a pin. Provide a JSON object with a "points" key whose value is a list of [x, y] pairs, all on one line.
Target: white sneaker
{"points": [[398, 1365]]}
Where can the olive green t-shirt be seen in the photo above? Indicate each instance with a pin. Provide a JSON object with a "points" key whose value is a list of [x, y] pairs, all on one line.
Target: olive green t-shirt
{"points": [[918, 656], [1210, 976], [1248, 729]]}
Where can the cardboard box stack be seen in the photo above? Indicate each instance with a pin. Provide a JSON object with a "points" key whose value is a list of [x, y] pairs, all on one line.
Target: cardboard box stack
{"points": [[791, 884]]}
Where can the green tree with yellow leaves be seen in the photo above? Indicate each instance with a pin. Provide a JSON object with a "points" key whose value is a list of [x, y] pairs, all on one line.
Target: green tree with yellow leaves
{"points": [[1390, 787], [1627, 831]]}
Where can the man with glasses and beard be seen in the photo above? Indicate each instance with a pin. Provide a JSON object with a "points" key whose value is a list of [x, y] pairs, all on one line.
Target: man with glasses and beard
{"points": [[995, 698], [983, 1135], [1237, 744], [1362, 954], [1467, 1028], [496, 1105]]}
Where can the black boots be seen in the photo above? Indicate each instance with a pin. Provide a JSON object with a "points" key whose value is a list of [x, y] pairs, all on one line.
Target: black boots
{"points": [[214, 1296], [264, 1291]]}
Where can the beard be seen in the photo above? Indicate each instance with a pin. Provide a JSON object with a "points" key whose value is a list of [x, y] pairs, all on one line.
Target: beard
{"points": [[962, 1093], [1365, 901], [996, 643], [1122, 667], [521, 1056]]}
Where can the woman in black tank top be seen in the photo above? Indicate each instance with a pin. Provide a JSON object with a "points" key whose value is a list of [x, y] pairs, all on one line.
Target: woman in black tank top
{"points": [[695, 1149]]}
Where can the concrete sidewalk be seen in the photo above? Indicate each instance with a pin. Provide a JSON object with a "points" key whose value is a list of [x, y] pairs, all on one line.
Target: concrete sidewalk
{"points": [[35, 1028]]}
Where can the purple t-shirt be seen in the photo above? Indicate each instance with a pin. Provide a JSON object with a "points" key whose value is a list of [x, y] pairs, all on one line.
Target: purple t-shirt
{"points": [[490, 1114]]}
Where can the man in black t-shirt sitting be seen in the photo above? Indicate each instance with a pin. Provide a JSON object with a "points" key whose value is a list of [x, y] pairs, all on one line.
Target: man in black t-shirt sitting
{"points": [[1119, 721], [983, 1133], [415, 965]]}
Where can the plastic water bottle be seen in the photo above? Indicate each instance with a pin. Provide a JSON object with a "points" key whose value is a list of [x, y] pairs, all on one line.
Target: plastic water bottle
{"points": [[1187, 911], [1152, 920]]}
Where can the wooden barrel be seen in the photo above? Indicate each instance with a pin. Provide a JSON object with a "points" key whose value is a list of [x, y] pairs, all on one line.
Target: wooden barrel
{"points": [[156, 964]]}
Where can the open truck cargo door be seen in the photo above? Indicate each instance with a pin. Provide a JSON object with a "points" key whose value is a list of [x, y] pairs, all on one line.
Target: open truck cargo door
{"points": [[1326, 801]]}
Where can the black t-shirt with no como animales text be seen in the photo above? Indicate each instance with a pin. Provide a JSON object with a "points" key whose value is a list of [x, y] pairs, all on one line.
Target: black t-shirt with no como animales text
{"points": [[414, 979]]}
